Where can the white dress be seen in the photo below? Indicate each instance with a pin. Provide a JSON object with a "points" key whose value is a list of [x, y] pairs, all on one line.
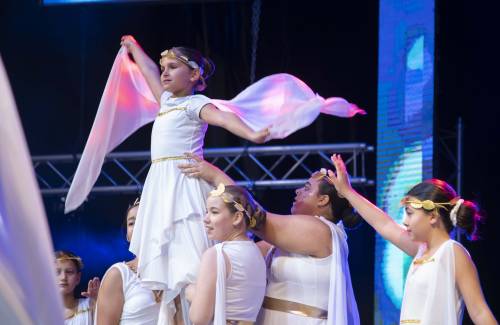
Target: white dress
{"points": [[139, 304], [83, 315], [239, 292], [324, 283], [431, 295], [169, 237]]}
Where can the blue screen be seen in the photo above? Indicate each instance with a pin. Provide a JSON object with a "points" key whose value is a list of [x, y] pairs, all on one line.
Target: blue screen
{"points": [[404, 132]]}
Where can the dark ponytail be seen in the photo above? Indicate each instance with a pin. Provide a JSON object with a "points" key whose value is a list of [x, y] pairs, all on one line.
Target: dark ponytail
{"points": [[341, 208]]}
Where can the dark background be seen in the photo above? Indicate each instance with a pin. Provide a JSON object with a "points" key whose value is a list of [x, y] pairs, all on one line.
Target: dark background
{"points": [[58, 60]]}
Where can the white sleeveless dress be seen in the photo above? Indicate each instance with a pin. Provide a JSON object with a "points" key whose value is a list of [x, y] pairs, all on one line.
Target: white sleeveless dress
{"points": [[324, 283], [139, 304], [431, 295], [239, 292], [169, 224], [83, 315]]}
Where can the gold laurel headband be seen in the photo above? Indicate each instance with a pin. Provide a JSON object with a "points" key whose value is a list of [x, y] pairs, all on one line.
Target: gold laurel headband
{"points": [[184, 59], [228, 198], [427, 205]]}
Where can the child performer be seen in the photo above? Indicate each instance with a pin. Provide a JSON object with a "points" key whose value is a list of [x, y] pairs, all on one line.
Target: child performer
{"points": [[442, 274], [169, 237]]}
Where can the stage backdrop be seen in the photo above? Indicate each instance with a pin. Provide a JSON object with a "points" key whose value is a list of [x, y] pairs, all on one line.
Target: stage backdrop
{"points": [[405, 131]]}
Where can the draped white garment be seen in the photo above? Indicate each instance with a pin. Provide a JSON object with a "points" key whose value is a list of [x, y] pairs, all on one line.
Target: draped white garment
{"points": [[324, 283], [431, 295], [239, 294], [281, 101]]}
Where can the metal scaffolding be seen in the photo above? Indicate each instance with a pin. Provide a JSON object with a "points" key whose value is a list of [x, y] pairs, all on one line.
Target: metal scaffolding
{"points": [[254, 167]]}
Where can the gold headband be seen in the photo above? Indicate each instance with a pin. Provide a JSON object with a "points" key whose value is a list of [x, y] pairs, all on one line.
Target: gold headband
{"points": [[228, 198], [77, 260], [184, 59], [427, 205]]}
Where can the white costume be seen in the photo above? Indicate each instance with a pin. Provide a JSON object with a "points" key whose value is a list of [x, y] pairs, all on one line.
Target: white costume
{"points": [[431, 295], [139, 304], [321, 283], [169, 237], [83, 314], [239, 292]]}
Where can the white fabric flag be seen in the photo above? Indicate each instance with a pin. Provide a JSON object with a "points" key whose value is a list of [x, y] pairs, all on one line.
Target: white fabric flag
{"points": [[281, 101], [28, 291]]}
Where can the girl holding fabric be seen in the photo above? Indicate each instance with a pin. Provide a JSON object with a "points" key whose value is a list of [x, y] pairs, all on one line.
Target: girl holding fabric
{"points": [[308, 274], [122, 299], [442, 275], [232, 278], [169, 223]]}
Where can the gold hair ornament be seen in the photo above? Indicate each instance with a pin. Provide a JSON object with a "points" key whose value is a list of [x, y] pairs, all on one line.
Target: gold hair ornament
{"points": [[184, 59], [228, 198], [77, 260], [427, 205]]}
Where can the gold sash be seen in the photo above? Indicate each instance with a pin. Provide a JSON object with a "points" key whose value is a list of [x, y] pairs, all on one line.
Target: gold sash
{"points": [[295, 308]]}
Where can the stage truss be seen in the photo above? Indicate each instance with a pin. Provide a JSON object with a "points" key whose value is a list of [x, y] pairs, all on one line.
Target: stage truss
{"points": [[255, 167]]}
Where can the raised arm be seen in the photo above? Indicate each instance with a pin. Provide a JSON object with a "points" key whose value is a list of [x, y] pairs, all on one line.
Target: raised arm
{"points": [[378, 219], [110, 299], [148, 67], [468, 283], [231, 122]]}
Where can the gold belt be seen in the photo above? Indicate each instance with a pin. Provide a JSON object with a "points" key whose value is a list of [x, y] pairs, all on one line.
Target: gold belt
{"points": [[157, 160], [238, 322], [295, 308], [410, 321]]}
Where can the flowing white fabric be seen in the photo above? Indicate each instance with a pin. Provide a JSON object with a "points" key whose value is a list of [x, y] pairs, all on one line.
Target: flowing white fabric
{"points": [[28, 291], [281, 101], [431, 295], [126, 105], [342, 307]]}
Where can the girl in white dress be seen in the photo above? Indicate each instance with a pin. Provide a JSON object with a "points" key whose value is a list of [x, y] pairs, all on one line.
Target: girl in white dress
{"points": [[122, 299], [169, 223], [232, 277], [308, 277], [442, 275], [77, 311]]}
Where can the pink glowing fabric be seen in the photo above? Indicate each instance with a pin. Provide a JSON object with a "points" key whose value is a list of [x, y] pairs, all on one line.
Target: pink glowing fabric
{"points": [[281, 101]]}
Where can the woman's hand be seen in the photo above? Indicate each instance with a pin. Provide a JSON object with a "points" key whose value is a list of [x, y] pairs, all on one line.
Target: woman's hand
{"points": [[340, 178], [129, 42], [200, 168]]}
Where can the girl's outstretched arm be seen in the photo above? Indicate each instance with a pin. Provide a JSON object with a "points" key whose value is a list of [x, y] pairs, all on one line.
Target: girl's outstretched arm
{"points": [[231, 122], [149, 69], [470, 288], [377, 218]]}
